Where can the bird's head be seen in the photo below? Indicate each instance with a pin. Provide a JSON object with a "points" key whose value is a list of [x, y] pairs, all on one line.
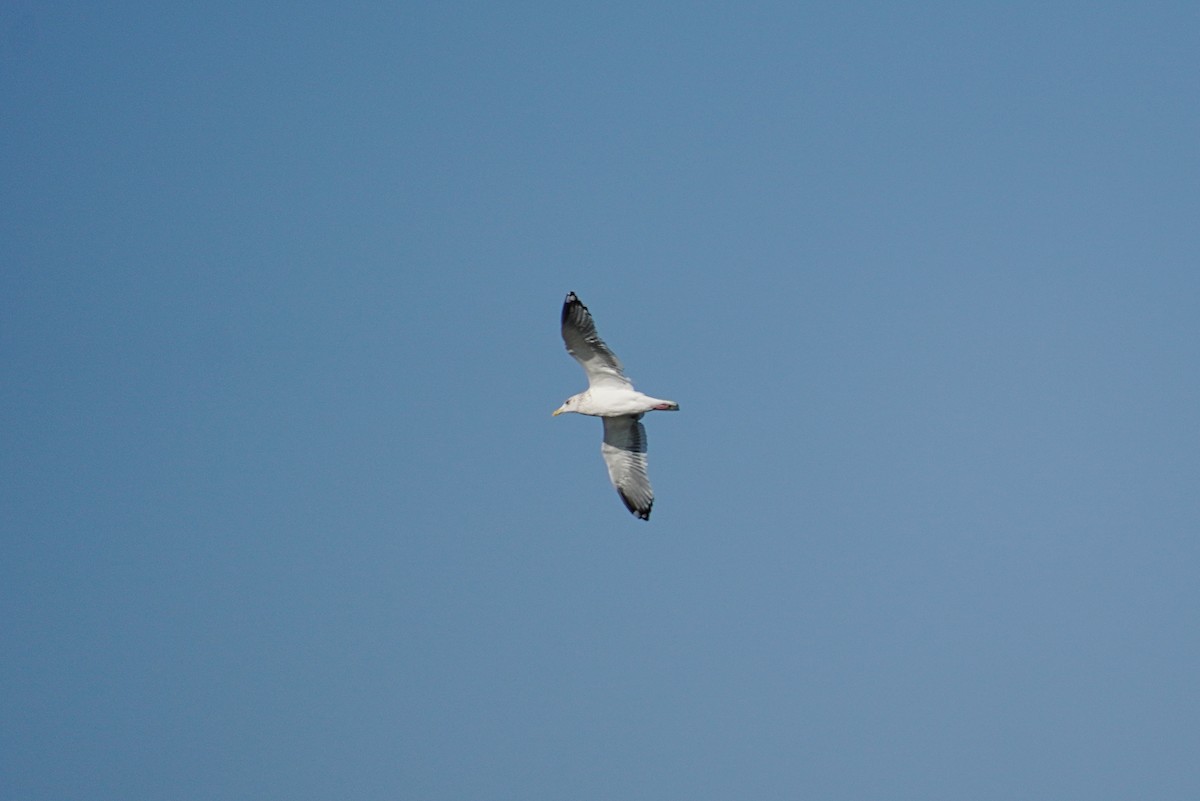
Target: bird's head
{"points": [[569, 405]]}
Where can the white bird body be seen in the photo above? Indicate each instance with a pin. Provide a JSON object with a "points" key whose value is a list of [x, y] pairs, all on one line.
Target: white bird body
{"points": [[605, 401], [611, 396]]}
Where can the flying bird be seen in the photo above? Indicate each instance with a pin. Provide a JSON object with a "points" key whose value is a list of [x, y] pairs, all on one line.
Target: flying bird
{"points": [[611, 397]]}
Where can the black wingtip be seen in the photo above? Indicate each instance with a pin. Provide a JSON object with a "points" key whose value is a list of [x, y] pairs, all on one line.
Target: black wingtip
{"points": [[572, 303], [639, 512]]}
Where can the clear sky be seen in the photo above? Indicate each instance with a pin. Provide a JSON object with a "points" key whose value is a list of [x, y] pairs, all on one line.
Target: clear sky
{"points": [[283, 512]]}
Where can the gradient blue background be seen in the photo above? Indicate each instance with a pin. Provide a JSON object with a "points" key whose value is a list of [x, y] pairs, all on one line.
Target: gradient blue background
{"points": [[284, 513]]}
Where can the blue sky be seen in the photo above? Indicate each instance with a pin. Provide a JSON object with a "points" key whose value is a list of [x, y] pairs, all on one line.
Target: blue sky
{"points": [[284, 513]]}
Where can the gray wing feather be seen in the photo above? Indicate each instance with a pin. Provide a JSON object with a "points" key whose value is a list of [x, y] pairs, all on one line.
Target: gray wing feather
{"points": [[579, 333], [624, 450]]}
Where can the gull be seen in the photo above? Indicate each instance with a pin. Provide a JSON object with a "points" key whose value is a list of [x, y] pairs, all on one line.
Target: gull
{"points": [[611, 397]]}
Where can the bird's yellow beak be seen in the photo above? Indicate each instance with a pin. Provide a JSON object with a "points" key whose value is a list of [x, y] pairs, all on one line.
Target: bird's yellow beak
{"points": [[556, 412]]}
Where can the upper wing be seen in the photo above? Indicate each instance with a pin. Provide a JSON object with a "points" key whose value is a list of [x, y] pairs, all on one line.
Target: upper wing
{"points": [[624, 450], [579, 332]]}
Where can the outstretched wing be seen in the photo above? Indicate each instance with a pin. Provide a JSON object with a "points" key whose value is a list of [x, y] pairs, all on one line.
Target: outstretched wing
{"points": [[624, 450], [579, 333]]}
